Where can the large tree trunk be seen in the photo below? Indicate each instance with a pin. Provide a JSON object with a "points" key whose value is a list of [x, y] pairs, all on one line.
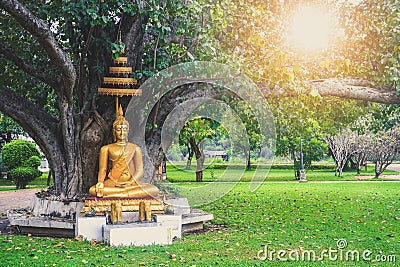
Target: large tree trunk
{"points": [[199, 170], [378, 169]]}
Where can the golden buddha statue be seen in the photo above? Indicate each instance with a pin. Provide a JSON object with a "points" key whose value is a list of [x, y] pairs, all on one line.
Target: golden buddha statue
{"points": [[123, 179]]}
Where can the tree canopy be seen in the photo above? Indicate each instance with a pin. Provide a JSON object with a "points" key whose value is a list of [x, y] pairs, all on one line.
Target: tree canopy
{"points": [[54, 54], [361, 61]]}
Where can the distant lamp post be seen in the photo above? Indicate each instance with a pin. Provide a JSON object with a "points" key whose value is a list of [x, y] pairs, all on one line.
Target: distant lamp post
{"points": [[302, 177]]}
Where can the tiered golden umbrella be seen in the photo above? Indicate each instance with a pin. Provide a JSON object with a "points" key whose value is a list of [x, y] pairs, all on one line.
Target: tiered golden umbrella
{"points": [[118, 81]]}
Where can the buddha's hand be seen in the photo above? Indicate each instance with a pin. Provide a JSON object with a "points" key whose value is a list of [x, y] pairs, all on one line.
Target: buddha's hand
{"points": [[123, 184], [99, 189]]}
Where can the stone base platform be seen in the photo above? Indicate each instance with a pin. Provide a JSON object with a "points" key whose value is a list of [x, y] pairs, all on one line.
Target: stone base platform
{"points": [[25, 223], [194, 221], [37, 221], [101, 205]]}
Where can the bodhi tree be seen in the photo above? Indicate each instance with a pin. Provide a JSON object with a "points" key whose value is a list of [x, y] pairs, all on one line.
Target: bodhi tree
{"points": [[54, 54]]}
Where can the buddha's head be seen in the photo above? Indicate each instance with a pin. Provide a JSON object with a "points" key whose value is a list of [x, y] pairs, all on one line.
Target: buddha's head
{"points": [[120, 127]]}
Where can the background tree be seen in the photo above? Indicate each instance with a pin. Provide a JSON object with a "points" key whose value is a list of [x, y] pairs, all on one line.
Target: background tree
{"points": [[377, 137], [288, 142], [193, 134], [342, 146], [362, 150], [314, 117], [250, 147], [385, 149]]}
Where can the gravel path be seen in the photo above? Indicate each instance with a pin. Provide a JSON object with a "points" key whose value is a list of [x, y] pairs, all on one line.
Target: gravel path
{"points": [[394, 167], [13, 200], [16, 199]]}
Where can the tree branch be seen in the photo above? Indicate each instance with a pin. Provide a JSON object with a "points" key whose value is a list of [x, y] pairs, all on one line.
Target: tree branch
{"points": [[358, 89], [41, 31], [29, 69], [40, 126]]}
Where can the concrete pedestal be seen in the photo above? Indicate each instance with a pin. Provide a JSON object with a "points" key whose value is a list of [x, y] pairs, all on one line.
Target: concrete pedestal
{"points": [[172, 221], [90, 228], [137, 234]]}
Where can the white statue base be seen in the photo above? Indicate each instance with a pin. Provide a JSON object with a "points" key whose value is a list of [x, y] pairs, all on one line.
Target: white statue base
{"points": [[164, 229]]}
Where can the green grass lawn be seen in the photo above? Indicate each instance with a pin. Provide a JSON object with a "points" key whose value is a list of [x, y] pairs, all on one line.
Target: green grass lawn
{"points": [[291, 217], [278, 172], [325, 172], [39, 182]]}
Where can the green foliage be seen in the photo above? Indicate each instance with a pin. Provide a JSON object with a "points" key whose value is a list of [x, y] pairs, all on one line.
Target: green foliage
{"points": [[9, 129], [17, 152], [2, 167], [365, 24], [22, 160], [117, 49], [382, 117], [32, 162], [364, 42], [23, 175], [175, 31], [197, 130]]}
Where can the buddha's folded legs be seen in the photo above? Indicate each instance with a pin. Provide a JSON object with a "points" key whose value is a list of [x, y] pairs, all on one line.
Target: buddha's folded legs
{"points": [[140, 190]]}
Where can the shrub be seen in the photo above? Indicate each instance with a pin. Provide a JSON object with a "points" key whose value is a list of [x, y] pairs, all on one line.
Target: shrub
{"points": [[17, 152], [23, 175], [33, 162], [22, 161], [2, 167]]}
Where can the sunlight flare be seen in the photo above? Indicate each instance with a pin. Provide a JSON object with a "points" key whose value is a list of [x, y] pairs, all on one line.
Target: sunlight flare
{"points": [[311, 29]]}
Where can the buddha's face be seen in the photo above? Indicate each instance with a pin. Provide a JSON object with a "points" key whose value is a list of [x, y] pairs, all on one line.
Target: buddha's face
{"points": [[121, 132]]}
